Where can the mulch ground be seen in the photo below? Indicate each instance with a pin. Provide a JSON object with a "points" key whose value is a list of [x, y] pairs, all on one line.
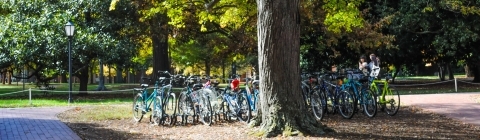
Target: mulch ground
{"points": [[409, 123]]}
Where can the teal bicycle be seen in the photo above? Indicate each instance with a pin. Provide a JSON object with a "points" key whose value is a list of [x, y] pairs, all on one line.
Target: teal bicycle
{"points": [[157, 101]]}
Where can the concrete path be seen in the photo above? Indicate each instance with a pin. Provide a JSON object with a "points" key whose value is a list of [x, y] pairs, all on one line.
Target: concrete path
{"points": [[34, 124], [459, 106]]}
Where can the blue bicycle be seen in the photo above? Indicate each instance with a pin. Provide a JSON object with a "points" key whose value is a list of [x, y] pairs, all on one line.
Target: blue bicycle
{"points": [[335, 96], [157, 101], [236, 104], [363, 96], [252, 92]]}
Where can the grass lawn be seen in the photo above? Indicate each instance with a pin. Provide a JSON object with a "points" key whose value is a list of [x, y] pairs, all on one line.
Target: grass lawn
{"points": [[14, 95]]}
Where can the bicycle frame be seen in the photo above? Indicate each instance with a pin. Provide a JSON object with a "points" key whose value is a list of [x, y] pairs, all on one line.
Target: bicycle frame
{"points": [[385, 91], [251, 97], [148, 100]]}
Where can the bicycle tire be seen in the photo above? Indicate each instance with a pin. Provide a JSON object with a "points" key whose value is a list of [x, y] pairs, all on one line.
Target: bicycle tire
{"points": [[219, 107], [157, 112], [393, 101], [205, 110], [369, 103], [330, 99], [185, 108], [317, 103], [244, 112], [138, 108], [346, 104], [256, 92], [169, 105]]}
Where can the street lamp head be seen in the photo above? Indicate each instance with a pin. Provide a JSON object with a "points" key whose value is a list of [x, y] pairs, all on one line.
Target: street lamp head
{"points": [[69, 29]]}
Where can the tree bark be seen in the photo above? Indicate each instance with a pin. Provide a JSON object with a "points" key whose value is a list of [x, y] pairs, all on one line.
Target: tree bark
{"points": [[159, 37], [450, 72], [119, 76], [83, 77], [441, 71], [476, 73], [468, 72], [207, 67], [281, 104], [101, 77]]}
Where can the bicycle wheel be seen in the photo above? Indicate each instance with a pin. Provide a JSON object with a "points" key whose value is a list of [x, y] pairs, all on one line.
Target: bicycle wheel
{"points": [[138, 108], [330, 102], [254, 103], [369, 102], [346, 104], [243, 110], [157, 113], [205, 110], [317, 101], [169, 105], [305, 92], [218, 106], [185, 108], [392, 101]]}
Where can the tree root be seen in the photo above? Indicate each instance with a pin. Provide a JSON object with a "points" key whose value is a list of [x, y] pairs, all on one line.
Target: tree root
{"points": [[289, 125]]}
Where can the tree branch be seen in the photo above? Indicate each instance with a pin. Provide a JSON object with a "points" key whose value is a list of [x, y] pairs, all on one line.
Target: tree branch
{"points": [[427, 32]]}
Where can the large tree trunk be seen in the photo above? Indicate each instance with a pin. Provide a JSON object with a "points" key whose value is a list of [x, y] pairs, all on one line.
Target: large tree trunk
{"points": [[119, 76], [83, 77], [468, 72], [101, 77], [160, 44], [476, 73], [282, 107], [450, 72], [441, 71], [207, 67]]}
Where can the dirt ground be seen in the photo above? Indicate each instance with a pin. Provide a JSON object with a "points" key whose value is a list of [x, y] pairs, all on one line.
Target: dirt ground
{"points": [[409, 123]]}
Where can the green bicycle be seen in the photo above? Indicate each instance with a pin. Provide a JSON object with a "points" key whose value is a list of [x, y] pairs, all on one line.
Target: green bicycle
{"points": [[389, 99]]}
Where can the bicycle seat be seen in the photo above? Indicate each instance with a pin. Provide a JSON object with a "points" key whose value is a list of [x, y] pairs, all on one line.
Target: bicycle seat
{"points": [[197, 86], [255, 82], [215, 83], [143, 85]]}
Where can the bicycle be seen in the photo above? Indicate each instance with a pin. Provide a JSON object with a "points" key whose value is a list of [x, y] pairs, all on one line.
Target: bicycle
{"points": [[333, 95], [389, 99], [363, 96], [252, 94], [313, 97], [168, 98], [194, 101], [142, 104], [236, 104], [215, 97]]}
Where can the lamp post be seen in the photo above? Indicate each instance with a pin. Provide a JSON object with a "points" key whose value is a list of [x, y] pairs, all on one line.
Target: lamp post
{"points": [[69, 30]]}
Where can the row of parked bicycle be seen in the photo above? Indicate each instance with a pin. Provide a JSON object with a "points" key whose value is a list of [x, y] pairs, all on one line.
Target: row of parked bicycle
{"points": [[349, 92], [196, 102], [205, 102]]}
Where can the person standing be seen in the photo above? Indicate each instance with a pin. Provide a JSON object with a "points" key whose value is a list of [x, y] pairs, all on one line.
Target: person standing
{"points": [[362, 65]]}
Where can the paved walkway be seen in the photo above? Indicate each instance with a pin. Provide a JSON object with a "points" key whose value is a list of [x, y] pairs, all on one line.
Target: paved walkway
{"points": [[34, 124], [460, 106]]}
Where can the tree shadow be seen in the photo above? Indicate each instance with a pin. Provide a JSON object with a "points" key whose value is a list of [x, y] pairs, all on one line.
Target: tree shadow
{"points": [[408, 123]]}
